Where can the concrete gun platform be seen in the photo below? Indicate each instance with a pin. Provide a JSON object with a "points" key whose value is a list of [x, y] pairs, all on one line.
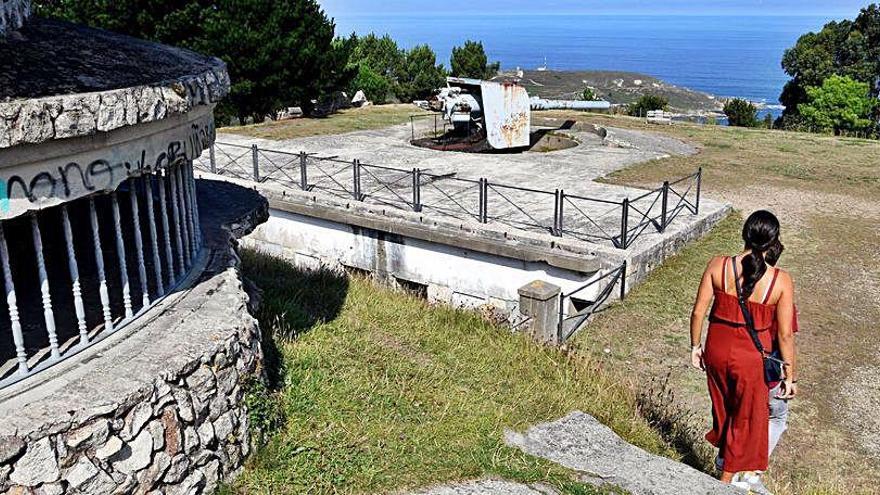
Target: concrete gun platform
{"points": [[386, 158]]}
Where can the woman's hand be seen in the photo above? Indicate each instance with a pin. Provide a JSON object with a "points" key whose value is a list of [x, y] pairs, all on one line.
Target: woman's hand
{"points": [[788, 390], [697, 358]]}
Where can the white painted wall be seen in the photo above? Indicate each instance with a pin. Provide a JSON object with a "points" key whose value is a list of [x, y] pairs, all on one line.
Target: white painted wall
{"points": [[454, 275]]}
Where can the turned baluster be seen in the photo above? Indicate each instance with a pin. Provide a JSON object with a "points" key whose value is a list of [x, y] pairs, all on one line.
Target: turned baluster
{"points": [[48, 313], [12, 304], [76, 287]]}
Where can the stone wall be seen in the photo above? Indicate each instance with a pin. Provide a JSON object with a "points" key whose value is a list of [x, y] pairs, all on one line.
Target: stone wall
{"points": [[159, 409], [182, 436], [13, 13]]}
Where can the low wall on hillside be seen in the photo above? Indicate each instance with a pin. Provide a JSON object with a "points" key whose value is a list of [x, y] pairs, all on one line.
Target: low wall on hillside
{"points": [[159, 407]]}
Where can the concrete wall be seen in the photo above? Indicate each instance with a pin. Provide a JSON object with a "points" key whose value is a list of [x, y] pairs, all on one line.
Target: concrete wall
{"points": [[453, 274]]}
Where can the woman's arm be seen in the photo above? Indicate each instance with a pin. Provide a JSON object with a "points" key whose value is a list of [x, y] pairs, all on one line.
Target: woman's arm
{"points": [[698, 314], [784, 319]]}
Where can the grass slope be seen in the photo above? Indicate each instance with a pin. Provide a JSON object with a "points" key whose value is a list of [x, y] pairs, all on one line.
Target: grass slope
{"points": [[378, 391]]}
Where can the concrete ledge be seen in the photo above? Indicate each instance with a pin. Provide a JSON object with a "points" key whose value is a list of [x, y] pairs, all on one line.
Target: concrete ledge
{"points": [[159, 407], [60, 80], [491, 239]]}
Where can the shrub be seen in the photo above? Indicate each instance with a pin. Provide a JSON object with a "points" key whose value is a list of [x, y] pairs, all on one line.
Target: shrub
{"points": [[420, 75], [648, 103], [589, 95], [373, 84], [469, 60], [840, 104], [741, 113]]}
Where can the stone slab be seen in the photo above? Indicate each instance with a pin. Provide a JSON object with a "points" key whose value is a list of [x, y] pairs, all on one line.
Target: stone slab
{"points": [[580, 442]]}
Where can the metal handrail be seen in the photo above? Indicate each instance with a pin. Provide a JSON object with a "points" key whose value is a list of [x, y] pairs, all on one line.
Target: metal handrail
{"points": [[626, 232], [616, 275]]}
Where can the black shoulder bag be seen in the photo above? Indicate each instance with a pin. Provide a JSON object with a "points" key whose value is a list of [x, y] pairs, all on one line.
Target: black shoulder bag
{"points": [[773, 363]]}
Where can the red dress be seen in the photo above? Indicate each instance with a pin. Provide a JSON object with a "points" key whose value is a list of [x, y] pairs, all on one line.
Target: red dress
{"points": [[735, 373]]}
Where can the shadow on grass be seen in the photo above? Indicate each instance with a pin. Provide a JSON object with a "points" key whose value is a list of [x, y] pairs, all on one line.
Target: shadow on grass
{"points": [[293, 301]]}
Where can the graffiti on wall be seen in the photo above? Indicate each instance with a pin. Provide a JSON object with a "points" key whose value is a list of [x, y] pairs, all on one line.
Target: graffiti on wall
{"points": [[38, 186]]}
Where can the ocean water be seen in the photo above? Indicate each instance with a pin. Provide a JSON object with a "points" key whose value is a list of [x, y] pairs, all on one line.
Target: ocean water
{"points": [[724, 55]]}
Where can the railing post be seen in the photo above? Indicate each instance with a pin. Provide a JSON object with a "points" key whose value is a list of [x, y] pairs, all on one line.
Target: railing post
{"points": [[699, 184], [120, 256], [213, 159], [417, 192], [624, 223], [623, 280], [483, 186], [356, 170], [255, 155], [303, 174], [558, 213], [664, 205]]}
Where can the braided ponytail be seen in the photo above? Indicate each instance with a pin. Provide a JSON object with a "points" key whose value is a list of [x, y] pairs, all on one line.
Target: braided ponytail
{"points": [[760, 235]]}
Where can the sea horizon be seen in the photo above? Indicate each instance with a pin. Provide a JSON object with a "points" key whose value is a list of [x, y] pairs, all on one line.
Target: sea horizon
{"points": [[721, 54]]}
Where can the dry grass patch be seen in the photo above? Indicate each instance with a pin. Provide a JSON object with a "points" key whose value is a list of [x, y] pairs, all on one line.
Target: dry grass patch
{"points": [[825, 190], [350, 120]]}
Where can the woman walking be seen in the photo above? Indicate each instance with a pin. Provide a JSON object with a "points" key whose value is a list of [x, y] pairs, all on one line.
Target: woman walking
{"points": [[750, 298]]}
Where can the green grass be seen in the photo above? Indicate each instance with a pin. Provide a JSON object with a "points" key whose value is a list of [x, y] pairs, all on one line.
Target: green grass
{"points": [[376, 391], [350, 120]]}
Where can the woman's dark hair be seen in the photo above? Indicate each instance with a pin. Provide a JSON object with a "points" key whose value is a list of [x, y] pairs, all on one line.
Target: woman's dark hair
{"points": [[761, 235]]}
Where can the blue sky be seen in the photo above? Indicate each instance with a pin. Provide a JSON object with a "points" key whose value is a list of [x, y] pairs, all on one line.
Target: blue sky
{"points": [[835, 8]]}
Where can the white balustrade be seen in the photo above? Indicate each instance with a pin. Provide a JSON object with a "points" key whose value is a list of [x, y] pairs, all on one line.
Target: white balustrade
{"points": [[99, 265], [48, 313], [180, 234], [12, 304], [154, 241], [76, 288], [138, 242]]}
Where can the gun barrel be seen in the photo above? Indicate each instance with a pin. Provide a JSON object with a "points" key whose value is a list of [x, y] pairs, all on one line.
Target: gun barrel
{"points": [[542, 104]]}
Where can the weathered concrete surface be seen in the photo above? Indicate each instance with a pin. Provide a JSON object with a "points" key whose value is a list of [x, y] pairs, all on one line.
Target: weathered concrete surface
{"points": [[59, 80], [574, 170], [488, 487], [158, 405], [13, 13], [580, 442]]}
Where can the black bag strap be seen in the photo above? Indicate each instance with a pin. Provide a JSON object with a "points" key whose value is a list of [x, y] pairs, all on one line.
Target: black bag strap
{"points": [[747, 315]]}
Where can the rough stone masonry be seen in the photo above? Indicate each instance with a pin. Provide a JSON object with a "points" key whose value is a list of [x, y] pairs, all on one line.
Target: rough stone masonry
{"points": [[161, 410]]}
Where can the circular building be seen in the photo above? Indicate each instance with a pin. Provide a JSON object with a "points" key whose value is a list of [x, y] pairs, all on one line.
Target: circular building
{"points": [[102, 243]]}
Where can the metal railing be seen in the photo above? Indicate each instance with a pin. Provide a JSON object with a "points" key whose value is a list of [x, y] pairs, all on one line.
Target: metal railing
{"points": [[571, 323], [79, 272], [619, 222]]}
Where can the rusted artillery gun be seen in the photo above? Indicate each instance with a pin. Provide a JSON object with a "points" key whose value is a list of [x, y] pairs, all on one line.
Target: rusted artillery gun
{"points": [[499, 112]]}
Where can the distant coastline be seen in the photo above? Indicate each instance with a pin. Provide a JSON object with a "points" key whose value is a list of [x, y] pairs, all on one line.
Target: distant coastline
{"points": [[623, 88]]}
